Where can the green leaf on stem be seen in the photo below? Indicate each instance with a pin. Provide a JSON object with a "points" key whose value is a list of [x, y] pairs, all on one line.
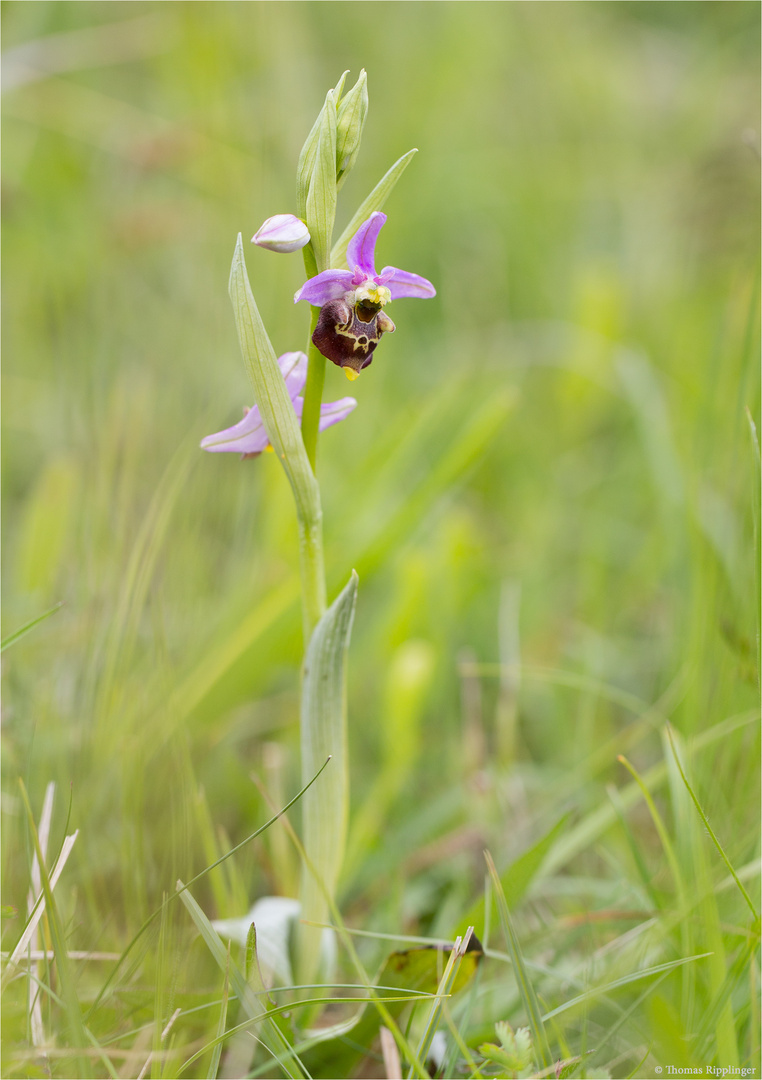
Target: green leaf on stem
{"points": [[374, 201], [324, 734], [282, 427], [321, 194]]}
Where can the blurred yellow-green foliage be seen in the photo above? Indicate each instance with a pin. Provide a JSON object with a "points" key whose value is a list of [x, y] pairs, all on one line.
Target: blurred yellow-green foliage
{"points": [[549, 466]]}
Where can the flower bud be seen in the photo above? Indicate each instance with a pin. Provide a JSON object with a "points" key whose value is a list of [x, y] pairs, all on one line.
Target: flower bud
{"points": [[308, 154], [283, 233], [350, 121]]}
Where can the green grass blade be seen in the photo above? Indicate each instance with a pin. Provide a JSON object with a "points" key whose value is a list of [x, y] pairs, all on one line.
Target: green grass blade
{"points": [[11, 639], [524, 983], [193, 880], [214, 1064], [598, 821], [518, 877], [444, 990], [598, 991], [272, 1036], [658, 821], [710, 830]]}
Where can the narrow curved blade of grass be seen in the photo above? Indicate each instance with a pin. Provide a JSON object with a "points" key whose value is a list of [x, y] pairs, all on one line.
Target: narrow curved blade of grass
{"points": [[271, 1035], [633, 1010], [598, 991], [523, 982], [643, 872], [257, 832], [465, 449], [383, 1014], [214, 1064], [710, 830], [518, 877], [325, 806], [11, 639], [598, 821], [287, 1007], [661, 828], [374, 201], [711, 1017], [757, 533]]}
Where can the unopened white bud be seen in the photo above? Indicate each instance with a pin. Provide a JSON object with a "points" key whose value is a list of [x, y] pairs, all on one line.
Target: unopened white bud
{"points": [[283, 233]]}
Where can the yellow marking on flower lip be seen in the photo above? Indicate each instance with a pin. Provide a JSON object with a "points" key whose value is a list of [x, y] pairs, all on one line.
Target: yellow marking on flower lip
{"points": [[377, 294], [350, 374], [269, 449]]}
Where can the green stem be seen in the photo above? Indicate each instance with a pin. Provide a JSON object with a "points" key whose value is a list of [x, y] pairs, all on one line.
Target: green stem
{"points": [[312, 573], [313, 393]]}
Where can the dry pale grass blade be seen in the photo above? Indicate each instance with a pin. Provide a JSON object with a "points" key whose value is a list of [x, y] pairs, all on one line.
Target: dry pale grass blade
{"points": [[39, 905], [391, 1055], [73, 954], [444, 989], [170, 1024], [35, 1006]]}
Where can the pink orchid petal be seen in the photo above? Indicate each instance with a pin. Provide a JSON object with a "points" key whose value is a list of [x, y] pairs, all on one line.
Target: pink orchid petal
{"points": [[248, 436], [330, 285], [361, 249], [334, 411], [331, 412], [294, 368], [402, 283]]}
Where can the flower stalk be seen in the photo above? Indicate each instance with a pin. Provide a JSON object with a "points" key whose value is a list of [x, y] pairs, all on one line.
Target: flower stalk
{"points": [[313, 392], [347, 296]]}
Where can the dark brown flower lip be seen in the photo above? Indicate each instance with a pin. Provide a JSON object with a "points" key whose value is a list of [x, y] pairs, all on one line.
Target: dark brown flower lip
{"points": [[347, 336]]}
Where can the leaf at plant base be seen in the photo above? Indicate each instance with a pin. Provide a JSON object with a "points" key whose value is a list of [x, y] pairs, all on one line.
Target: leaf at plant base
{"points": [[252, 1001], [324, 734], [417, 971], [275, 918]]}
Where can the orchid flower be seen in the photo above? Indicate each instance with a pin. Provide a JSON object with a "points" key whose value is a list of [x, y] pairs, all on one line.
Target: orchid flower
{"points": [[351, 319], [249, 438]]}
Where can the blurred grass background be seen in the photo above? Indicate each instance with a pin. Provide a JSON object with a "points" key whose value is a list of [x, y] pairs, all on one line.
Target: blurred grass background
{"points": [[549, 469]]}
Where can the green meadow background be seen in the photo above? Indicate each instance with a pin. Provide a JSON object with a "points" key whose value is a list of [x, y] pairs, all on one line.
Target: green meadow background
{"points": [[548, 489]]}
